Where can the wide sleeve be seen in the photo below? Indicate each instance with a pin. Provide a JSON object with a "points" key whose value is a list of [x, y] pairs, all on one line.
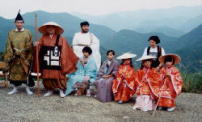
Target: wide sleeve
{"points": [[145, 52], [101, 70], [162, 52], [91, 70], [177, 81], [117, 80], [68, 58], [8, 50], [115, 69], [29, 48]]}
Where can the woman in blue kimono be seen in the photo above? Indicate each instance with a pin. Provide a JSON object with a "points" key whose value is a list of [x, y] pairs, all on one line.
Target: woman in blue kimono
{"points": [[80, 80]]}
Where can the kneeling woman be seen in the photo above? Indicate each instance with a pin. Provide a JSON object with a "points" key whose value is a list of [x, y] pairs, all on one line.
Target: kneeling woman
{"points": [[171, 82], [148, 80], [86, 72], [124, 85]]}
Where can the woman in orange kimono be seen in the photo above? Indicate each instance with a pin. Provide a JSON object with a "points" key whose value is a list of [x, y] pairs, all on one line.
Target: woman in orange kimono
{"points": [[124, 85], [148, 80], [57, 58], [171, 85]]}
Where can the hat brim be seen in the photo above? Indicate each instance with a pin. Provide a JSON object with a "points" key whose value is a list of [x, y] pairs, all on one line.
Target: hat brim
{"points": [[174, 56], [124, 56], [58, 29]]}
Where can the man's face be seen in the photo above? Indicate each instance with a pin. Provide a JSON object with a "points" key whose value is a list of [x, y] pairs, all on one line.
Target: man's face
{"points": [[85, 28], [19, 24], [152, 43], [110, 56], [50, 30]]}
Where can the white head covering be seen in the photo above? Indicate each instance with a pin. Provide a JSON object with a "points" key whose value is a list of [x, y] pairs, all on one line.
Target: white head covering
{"points": [[58, 28], [127, 56], [145, 57]]}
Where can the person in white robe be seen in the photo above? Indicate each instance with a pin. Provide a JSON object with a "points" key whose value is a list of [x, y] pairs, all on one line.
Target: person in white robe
{"points": [[86, 38]]}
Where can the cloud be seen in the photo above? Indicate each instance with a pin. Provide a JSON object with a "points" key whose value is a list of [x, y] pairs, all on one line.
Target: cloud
{"points": [[9, 8]]}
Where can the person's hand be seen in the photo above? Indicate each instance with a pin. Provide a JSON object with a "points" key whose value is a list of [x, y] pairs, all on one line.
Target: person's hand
{"points": [[106, 76], [17, 51], [86, 78]]}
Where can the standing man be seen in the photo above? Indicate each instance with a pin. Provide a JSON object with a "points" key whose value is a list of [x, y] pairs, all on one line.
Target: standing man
{"points": [[18, 55], [154, 50], [86, 38], [57, 58]]}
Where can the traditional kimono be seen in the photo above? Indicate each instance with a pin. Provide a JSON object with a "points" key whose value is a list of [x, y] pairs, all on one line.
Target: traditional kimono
{"points": [[171, 86], [148, 81], [124, 85], [104, 85], [89, 69], [19, 55], [56, 60], [88, 39]]}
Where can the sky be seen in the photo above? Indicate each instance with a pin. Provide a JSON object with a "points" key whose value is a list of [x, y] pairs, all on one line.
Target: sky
{"points": [[9, 8]]}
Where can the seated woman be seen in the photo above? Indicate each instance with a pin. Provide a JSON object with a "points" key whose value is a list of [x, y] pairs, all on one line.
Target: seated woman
{"points": [[80, 80], [171, 82], [105, 78], [148, 80], [124, 85]]}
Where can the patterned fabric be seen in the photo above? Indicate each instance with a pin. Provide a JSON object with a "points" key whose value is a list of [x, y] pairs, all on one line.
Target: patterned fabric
{"points": [[171, 86], [124, 85], [20, 59]]}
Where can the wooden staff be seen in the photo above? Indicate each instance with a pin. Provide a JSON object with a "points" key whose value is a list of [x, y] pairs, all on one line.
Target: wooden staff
{"points": [[153, 114], [37, 56]]}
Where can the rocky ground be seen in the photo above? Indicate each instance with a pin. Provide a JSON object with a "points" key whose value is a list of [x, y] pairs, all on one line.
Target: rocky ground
{"points": [[23, 108]]}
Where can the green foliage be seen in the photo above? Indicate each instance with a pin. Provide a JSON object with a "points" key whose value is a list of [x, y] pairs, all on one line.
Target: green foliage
{"points": [[192, 82]]}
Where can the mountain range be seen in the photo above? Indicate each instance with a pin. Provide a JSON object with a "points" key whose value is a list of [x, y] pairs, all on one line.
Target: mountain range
{"points": [[186, 44]]}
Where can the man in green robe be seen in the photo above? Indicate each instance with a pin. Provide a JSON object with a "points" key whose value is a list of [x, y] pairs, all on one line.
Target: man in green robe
{"points": [[18, 55]]}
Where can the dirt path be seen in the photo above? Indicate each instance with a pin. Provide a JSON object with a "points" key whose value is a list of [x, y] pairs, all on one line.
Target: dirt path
{"points": [[23, 108]]}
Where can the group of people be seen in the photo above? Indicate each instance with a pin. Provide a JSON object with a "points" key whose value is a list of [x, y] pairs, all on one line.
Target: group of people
{"points": [[77, 69]]}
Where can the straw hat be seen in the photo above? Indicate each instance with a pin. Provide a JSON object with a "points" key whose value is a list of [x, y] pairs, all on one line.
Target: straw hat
{"points": [[59, 29], [176, 58], [145, 57], [127, 56]]}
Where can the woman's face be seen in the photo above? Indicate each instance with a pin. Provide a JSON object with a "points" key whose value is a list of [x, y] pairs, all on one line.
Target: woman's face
{"points": [[147, 64], [50, 30], [152, 43], [169, 63], [126, 61]]}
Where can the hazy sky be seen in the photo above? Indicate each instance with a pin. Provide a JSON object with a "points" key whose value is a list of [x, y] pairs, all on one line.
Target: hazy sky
{"points": [[9, 8]]}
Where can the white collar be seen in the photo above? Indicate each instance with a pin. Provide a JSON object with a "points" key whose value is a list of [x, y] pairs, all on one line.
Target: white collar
{"points": [[20, 30]]}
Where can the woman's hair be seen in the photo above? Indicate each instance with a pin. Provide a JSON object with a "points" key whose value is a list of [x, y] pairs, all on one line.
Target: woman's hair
{"points": [[111, 51], [87, 49], [169, 59], [142, 64], [131, 62]]}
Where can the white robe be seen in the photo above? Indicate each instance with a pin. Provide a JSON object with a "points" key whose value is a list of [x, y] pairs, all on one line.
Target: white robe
{"points": [[88, 39]]}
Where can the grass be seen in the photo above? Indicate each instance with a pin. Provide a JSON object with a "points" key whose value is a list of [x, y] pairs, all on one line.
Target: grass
{"points": [[192, 82]]}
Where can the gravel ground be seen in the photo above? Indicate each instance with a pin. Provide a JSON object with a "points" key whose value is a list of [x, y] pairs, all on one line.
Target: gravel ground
{"points": [[23, 108]]}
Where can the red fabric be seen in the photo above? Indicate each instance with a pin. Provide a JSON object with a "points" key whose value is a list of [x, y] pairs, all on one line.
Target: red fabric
{"points": [[68, 58], [171, 86], [124, 85], [148, 81]]}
